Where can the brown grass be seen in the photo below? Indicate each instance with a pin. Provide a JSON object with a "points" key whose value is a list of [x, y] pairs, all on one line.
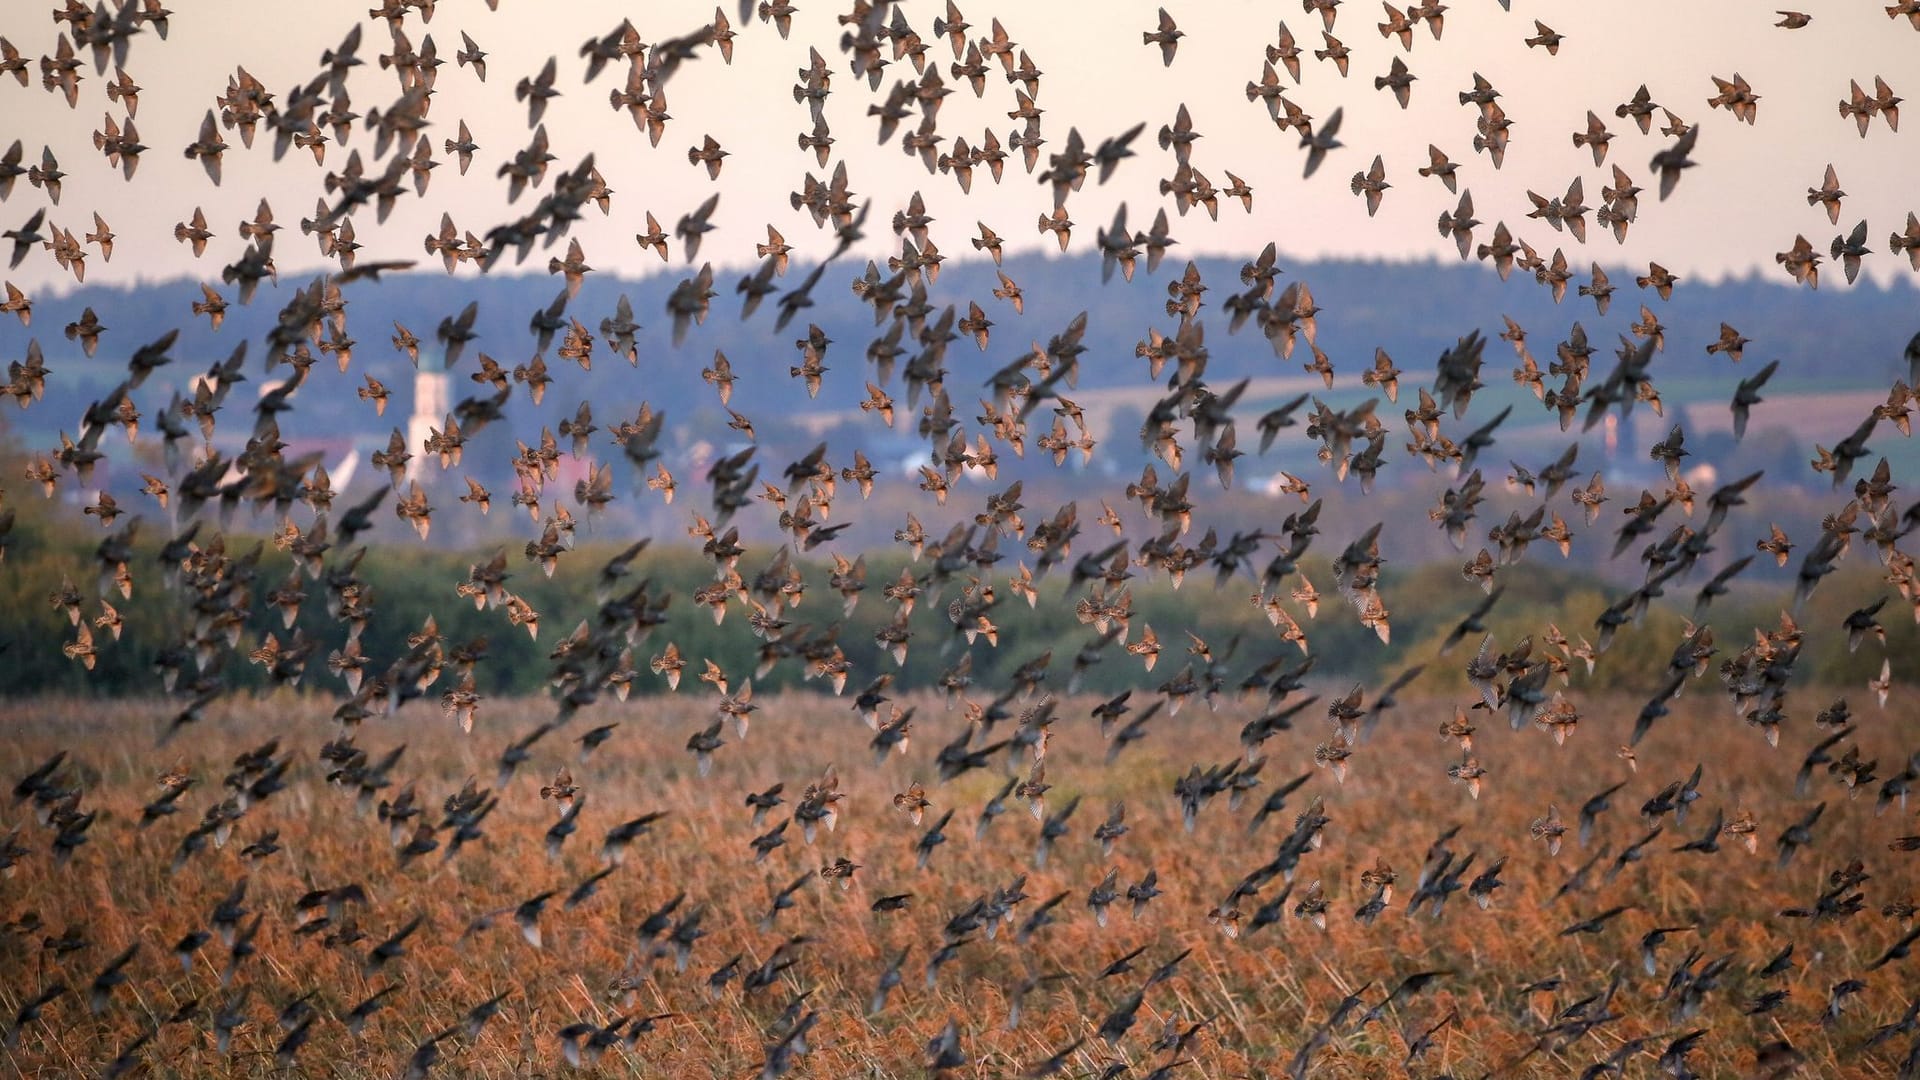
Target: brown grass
{"points": [[1266, 990]]}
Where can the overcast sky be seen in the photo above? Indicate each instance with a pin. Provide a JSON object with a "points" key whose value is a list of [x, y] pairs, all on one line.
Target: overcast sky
{"points": [[1744, 202]]}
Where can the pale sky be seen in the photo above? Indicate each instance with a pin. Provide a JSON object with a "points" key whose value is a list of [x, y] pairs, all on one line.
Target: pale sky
{"points": [[1744, 202]]}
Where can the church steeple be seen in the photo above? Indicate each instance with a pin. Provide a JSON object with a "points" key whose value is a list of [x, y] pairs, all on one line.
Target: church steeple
{"points": [[429, 407]]}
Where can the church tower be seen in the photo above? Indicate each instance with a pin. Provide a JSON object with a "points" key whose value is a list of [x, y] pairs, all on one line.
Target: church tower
{"points": [[429, 410]]}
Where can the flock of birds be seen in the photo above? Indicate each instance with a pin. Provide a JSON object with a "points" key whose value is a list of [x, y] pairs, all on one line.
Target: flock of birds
{"points": [[221, 585]]}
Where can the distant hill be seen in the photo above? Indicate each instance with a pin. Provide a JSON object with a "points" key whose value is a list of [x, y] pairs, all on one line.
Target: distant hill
{"points": [[1839, 349]]}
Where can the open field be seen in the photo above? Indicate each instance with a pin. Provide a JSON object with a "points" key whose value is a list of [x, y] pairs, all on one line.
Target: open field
{"points": [[1261, 995]]}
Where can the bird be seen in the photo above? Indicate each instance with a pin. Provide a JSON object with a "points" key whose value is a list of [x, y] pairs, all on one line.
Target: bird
{"points": [[1736, 96], [1336, 51], [1372, 184], [1882, 685], [690, 228], [709, 154], [1545, 38], [1596, 137], [1400, 79], [1802, 262], [1850, 249], [913, 801], [1321, 141], [1671, 160], [1166, 34], [1829, 195]]}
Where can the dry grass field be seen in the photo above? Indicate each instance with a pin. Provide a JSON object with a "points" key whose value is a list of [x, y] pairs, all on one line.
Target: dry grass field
{"points": [[1257, 998]]}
